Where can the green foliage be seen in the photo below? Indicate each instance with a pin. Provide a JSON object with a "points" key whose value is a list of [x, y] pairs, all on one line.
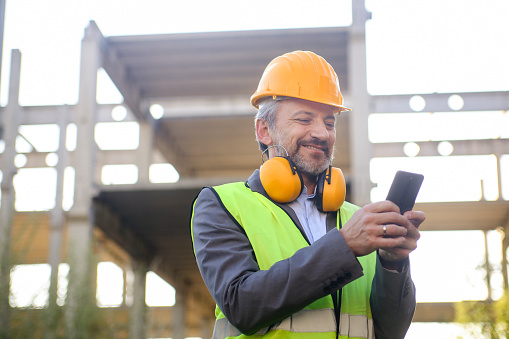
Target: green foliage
{"points": [[55, 322], [489, 318]]}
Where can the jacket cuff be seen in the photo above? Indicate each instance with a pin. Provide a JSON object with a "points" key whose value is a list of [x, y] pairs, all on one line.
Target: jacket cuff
{"points": [[340, 261]]}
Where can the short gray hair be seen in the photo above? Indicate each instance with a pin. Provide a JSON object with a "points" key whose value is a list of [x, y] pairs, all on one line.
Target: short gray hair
{"points": [[268, 107]]}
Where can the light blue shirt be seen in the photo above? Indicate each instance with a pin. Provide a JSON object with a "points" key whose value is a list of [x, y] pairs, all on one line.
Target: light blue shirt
{"points": [[312, 220]]}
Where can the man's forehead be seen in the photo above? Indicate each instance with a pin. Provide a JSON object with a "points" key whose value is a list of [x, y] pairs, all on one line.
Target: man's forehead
{"points": [[312, 114], [299, 106]]}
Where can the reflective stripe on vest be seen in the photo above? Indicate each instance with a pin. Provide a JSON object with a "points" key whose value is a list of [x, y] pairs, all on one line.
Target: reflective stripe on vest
{"points": [[308, 321]]}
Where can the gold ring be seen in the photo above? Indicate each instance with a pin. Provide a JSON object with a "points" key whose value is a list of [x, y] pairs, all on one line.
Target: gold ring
{"points": [[384, 228]]}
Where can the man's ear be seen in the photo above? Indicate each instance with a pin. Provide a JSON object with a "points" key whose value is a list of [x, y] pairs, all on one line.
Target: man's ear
{"points": [[262, 132]]}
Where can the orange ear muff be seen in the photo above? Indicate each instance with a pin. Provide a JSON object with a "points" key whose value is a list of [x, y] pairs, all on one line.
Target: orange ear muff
{"points": [[281, 179], [330, 190]]}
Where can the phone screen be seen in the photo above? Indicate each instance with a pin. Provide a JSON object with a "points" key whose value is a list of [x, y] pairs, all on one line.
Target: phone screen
{"points": [[404, 189]]}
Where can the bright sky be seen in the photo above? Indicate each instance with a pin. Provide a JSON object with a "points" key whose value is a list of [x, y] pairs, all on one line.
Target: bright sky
{"points": [[413, 46]]}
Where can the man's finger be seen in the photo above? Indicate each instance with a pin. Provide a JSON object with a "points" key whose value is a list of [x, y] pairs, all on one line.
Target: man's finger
{"points": [[382, 206], [392, 230], [415, 217]]}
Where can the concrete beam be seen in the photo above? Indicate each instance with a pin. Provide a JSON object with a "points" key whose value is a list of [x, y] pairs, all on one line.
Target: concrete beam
{"points": [[465, 215], [125, 85], [117, 230], [207, 106], [434, 312], [164, 142], [438, 102], [116, 71], [38, 115], [430, 148], [192, 183]]}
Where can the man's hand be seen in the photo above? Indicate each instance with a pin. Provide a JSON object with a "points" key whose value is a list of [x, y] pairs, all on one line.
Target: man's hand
{"points": [[415, 219], [364, 232]]}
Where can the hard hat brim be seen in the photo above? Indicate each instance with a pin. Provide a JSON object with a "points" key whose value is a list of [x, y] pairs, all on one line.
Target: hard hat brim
{"points": [[255, 98]]}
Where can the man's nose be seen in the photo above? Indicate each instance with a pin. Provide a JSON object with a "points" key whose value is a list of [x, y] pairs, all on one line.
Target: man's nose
{"points": [[319, 130]]}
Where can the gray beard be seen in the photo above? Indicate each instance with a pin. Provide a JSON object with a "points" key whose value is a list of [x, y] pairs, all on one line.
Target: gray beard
{"points": [[302, 164], [309, 168]]}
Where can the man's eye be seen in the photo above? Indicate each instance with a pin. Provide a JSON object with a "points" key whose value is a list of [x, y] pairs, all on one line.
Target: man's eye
{"points": [[330, 125], [303, 120]]}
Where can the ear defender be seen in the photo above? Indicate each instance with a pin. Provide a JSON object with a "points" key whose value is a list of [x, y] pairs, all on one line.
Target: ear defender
{"points": [[330, 190], [281, 179], [283, 183]]}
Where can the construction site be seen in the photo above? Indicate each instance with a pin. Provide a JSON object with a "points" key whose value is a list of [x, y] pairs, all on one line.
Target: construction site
{"points": [[186, 102]]}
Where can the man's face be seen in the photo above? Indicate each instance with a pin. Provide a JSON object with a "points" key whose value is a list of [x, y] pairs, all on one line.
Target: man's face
{"points": [[307, 130]]}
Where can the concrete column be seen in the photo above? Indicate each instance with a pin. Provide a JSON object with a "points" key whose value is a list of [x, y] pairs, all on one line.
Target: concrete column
{"points": [[138, 313], [80, 216], [487, 265], [126, 271], [56, 228], [505, 245], [145, 150], [2, 24], [179, 312], [361, 149], [57, 214], [206, 327], [10, 123]]}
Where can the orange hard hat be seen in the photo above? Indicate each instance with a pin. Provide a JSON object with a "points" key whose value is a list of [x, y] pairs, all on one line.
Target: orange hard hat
{"points": [[300, 74]]}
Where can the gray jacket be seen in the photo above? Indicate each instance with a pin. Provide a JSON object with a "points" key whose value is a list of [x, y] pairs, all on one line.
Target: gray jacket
{"points": [[252, 299]]}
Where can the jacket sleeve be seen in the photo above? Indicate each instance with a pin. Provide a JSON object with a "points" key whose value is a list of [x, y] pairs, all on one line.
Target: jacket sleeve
{"points": [[250, 298], [392, 301]]}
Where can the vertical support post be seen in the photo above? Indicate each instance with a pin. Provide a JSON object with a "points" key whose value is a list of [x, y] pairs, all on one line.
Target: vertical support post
{"points": [[57, 214], [126, 274], [487, 265], [11, 119], [80, 216], [206, 328], [498, 152], [361, 149], [2, 24], [505, 245], [138, 314], [179, 312], [145, 150]]}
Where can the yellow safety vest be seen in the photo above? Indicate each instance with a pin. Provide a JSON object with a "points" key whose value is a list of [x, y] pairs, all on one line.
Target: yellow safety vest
{"points": [[274, 237]]}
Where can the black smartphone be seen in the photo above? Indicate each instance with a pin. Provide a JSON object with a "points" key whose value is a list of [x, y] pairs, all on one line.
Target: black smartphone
{"points": [[404, 189]]}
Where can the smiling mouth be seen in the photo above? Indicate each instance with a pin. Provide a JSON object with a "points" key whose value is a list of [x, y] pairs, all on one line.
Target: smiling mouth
{"points": [[313, 148], [316, 148]]}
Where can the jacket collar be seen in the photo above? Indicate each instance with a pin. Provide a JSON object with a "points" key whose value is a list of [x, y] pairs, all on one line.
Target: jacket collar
{"points": [[255, 184]]}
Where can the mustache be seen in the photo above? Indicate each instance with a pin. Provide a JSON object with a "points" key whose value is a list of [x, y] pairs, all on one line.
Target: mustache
{"points": [[315, 142]]}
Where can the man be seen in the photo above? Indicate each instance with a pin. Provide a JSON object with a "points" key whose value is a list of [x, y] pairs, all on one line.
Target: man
{"points": [[291, 269]]}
